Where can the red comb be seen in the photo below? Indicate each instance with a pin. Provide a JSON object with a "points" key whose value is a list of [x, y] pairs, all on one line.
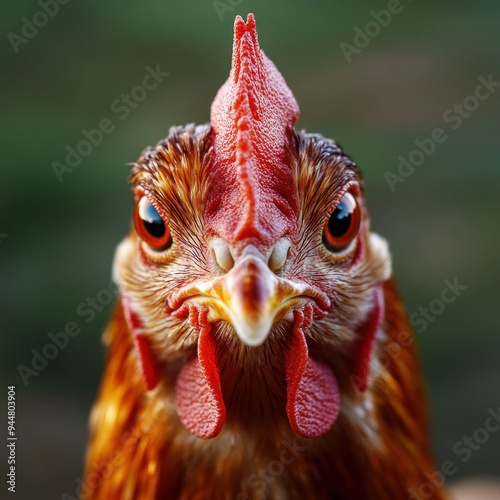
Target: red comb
{"points": [[252, 119]]}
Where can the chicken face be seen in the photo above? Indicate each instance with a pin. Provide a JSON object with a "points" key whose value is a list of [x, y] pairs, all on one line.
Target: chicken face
{"points": [[251, 268]]}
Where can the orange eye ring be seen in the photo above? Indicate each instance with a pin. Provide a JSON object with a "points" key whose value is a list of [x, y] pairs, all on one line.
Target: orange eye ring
{"points": [[342, 226], [150, 226]]}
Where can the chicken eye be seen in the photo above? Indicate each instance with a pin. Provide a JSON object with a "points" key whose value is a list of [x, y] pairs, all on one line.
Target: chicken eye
{"points": [[343, 225], [150, 226]]}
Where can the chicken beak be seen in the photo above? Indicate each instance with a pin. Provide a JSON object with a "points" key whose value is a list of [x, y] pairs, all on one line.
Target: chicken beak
{"points": [[251, 298]]}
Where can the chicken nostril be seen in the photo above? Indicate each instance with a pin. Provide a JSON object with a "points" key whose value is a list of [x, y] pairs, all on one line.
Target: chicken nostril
{"points": [[225, 258], [222, 254], [279, 255]]}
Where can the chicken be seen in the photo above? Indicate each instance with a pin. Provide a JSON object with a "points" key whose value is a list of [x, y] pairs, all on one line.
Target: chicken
{"points": [[259, 348]]}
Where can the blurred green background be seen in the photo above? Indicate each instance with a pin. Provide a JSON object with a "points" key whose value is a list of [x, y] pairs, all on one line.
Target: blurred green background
{"points": [[441, 222]]}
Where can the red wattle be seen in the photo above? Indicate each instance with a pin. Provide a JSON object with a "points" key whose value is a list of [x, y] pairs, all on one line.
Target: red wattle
{"points": [[147, 362], [367, 333], [198, 392], [313, 398]]}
